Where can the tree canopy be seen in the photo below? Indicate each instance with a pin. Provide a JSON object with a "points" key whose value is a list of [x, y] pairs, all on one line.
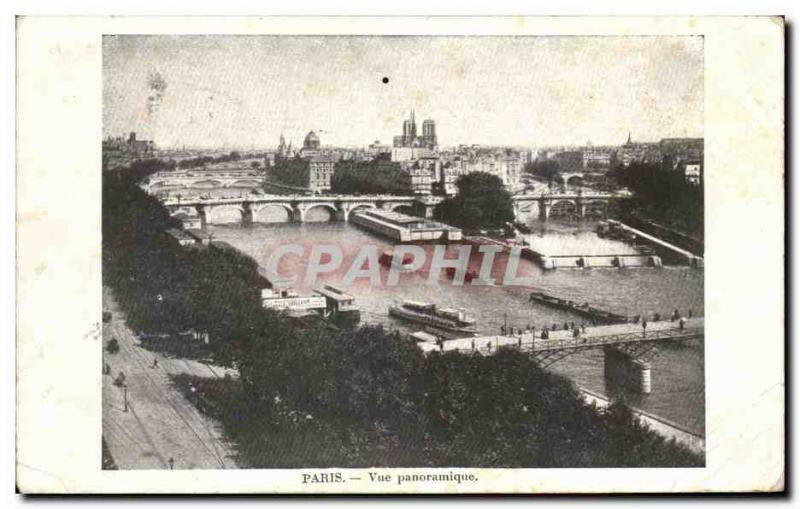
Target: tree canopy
{"points": [[663, 194], [369, 177], [481, 202]]}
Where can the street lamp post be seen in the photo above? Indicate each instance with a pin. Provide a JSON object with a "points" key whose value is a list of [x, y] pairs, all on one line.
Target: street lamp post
{"points": [[125, 395]]}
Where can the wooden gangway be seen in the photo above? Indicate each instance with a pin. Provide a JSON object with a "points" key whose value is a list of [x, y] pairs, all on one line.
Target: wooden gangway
{"points": [[630, 337]]}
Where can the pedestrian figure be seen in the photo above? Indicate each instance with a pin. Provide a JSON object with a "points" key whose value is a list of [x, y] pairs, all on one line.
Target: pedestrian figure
{"points": [[502, 330], [155, 363], [106, 369], [644, 328], [583, 327], [690, 313], [473, 345], [682, 323], [528, 328], [566, 326], [489, 345], [171, 463], [519, 343], [120, 380], [571, 325], [675, 315], [576, 333]]}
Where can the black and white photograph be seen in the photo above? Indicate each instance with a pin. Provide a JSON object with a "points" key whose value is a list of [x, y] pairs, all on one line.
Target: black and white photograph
{"points": [[400, 255], [402, 252]]}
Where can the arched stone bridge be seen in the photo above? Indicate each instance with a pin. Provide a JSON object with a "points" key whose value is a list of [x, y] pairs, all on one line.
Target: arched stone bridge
{"points": [[578, 204], [213, 181], [254, 209], [249, 210]]}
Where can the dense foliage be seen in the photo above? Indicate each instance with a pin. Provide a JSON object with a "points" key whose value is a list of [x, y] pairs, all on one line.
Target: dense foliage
{"points": [[319, 396], [290, 172], [663, 195], [195, 162], [371, 177], [547, 169], [482, 202]]}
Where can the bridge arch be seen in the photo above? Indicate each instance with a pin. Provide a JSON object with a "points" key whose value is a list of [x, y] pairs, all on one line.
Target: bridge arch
{"points": [[403, 208], [205, 184], [224, 214], [163, 184], [245, 183], [317, 216], [575, 180], [356, 207], [563, 208], [273, 213]]}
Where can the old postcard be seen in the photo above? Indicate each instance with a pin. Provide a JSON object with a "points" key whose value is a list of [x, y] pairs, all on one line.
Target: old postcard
{"points": [[400, 255]]}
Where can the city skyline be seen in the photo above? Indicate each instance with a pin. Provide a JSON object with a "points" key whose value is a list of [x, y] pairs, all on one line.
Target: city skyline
{"points": [[245, 91]]}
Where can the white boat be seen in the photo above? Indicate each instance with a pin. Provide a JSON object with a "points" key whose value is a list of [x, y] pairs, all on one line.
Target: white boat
{"points": [[426, 313]]}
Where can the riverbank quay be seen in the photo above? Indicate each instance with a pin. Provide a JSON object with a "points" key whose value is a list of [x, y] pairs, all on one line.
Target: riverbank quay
{"points": [[669, 250], [147, 422], [664, 427]]}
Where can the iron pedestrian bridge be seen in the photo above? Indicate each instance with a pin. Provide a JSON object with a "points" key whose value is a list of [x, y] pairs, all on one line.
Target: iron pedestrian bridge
{"points": [[628, 338]]}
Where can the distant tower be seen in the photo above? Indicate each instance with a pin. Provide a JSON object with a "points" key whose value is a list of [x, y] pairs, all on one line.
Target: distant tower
{"points": [[413, 125], [282, 146], [429, 134], [629, 139]]}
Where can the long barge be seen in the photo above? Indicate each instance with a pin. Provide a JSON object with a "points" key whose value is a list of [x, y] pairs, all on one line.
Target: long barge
{"points": [[597, 315]]}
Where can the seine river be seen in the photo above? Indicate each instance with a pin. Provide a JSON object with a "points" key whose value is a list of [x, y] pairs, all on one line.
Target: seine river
{"points": [[677, 373]]}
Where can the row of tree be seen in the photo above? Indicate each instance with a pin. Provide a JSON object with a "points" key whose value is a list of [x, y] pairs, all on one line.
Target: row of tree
{"points": [[663, 195], [321, 397]]}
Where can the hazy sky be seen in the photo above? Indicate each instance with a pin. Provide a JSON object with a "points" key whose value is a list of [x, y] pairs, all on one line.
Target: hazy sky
{"points": [[243, 91]]}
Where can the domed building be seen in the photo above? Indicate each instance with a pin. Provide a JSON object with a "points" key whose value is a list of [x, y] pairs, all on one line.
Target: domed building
{"points": [[311, 142]]}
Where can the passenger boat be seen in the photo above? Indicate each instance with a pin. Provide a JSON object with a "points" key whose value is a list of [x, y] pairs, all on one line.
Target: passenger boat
{"points": [[388, 259], [454, 320]]}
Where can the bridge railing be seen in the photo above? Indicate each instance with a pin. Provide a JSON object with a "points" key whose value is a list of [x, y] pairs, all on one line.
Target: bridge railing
{"points": [[490, 344]]}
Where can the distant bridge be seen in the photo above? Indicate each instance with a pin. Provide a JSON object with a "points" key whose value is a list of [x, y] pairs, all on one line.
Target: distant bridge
{"points": [[249, 209], [252, 209], [199, 180], [578, 204]]}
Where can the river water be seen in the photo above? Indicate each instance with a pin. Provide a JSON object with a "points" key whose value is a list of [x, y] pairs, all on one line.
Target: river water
{"points": [[677, 372]]}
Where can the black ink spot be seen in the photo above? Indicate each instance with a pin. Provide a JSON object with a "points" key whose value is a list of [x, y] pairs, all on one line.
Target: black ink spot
{"points": [[385, 79]]}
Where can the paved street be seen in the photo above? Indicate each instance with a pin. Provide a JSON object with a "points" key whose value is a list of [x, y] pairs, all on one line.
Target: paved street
{"points": [[160, 422]]}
